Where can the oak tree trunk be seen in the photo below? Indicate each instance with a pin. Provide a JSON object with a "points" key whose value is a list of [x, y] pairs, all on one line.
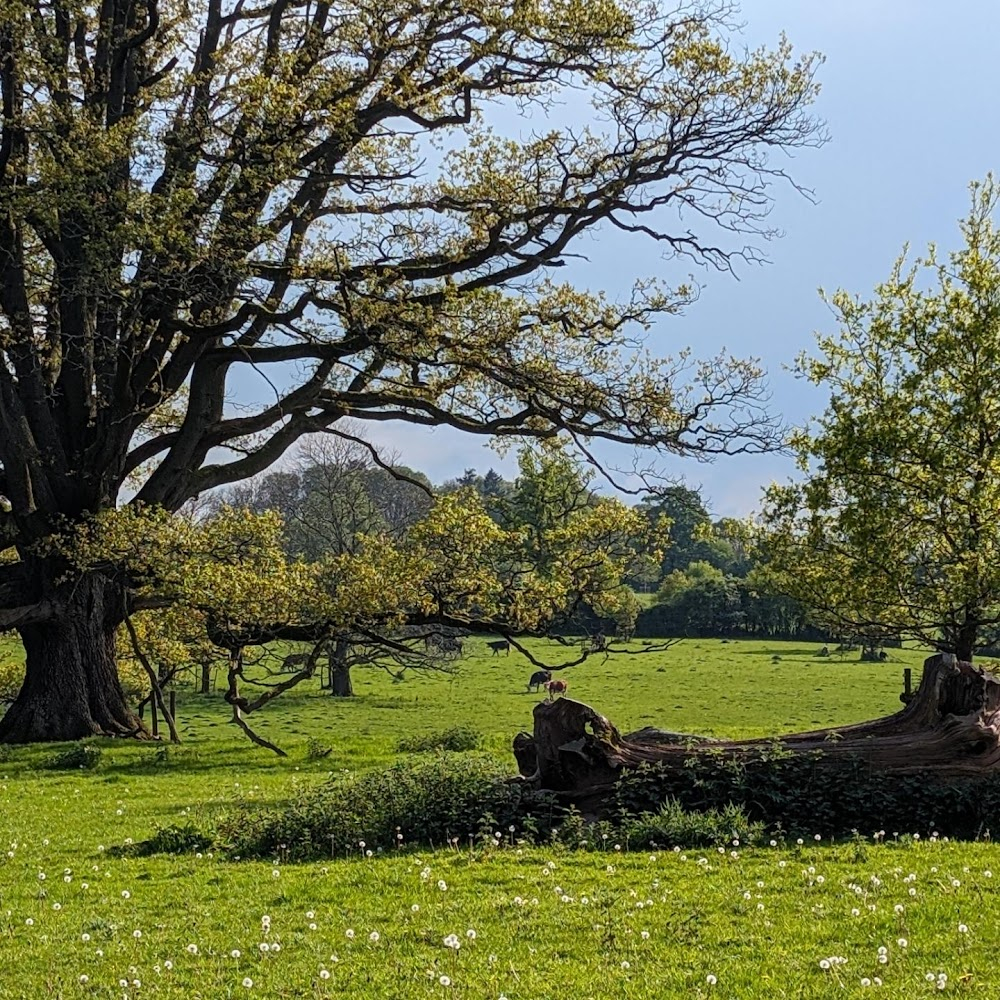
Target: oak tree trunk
{"points": [[71, 687], [340, 670], [949, 732], [342, 686]]}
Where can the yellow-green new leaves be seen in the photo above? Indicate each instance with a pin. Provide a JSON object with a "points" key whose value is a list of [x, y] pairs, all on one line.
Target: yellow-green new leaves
{"points": [[897, 525], [197, 190], [231, 565], [457, 564]]}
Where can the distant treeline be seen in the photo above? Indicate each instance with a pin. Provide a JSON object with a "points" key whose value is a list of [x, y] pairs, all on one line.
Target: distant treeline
{"points": [[705, 585]]}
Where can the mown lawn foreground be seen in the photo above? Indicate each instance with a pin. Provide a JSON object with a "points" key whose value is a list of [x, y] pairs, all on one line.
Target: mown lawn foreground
{"points": [[755, 921]]}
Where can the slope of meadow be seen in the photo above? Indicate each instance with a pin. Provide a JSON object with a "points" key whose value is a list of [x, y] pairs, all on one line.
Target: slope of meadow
{"points": [[78, 920]]}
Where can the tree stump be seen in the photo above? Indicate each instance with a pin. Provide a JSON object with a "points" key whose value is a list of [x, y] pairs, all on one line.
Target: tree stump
{"points": [[949, 731]]}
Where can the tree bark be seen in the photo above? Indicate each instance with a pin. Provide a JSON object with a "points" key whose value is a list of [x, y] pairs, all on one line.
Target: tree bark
{"points": [[340, 670], [950, 731], [71, 687], [965, 644]]}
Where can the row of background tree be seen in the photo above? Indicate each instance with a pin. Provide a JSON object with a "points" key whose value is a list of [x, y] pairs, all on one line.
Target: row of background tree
{"points": [[705, 583]]}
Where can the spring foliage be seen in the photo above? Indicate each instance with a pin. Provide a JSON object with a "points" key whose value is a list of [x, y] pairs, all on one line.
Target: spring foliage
{"points": [[895, 528], [230, 574]]}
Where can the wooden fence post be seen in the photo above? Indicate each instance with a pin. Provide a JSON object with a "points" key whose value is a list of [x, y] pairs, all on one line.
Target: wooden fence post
{"points": [[907, 696]]}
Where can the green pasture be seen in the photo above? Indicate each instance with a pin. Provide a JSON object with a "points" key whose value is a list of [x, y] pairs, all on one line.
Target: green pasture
{"points": [[547, 923], [736, 688]]}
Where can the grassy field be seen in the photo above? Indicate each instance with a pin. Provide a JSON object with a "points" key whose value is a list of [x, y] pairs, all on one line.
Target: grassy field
{"points": [[78, 920]]}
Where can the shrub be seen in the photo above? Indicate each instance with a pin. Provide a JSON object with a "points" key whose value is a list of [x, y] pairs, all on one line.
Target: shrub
{"points": [[317, 749], [674, 826], [173, 839], [456, 739], [81, 757], [429, 801], [804, 794]]}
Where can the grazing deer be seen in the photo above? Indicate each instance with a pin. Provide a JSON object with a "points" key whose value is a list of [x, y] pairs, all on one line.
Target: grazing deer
{"points": [[445, 645], [538, 678], [555, 687], [293, 662]]}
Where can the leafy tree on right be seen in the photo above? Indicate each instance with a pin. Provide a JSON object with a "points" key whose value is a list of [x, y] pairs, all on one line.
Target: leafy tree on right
{"points": [[895, 529]]}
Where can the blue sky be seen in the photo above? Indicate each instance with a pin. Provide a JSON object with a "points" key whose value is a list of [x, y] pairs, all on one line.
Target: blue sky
{"points": [[909, 95]]}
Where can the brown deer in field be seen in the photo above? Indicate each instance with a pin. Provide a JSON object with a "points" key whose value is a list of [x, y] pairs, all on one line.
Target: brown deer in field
{"points": [[555, 687]]}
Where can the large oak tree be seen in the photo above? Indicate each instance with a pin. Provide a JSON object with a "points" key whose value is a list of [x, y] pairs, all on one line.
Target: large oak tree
{"points": [[322, 193]]}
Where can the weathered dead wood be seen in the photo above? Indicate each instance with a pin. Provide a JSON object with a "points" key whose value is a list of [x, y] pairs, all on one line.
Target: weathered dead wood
{"points": [[949, 731]]}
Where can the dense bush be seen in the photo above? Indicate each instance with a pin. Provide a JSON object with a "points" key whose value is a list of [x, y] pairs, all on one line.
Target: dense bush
{"points": [[317, 749], [173, 839], [455, 739], [81, 757], [432, 801], [425, 800], [673, 825], [714, 799], [803, 794]]}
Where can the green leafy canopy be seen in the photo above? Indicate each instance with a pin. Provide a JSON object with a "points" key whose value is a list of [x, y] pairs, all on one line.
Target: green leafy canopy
{"points": [[896, 526]]}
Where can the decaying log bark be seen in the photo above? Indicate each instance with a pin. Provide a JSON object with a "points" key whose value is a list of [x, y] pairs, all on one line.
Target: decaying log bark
{"points": [[949, 731]]}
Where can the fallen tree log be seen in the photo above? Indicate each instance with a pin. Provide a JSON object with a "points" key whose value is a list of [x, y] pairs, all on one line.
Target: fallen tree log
{"points": [[948, 734]]}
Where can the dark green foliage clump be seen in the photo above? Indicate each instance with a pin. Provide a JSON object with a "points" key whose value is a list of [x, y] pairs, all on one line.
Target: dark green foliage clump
{"points": [[455, 739], [432, 801], [317, 749], [172, 839], [83, 756], [673, 825], [429, 800], [803, 794]]}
